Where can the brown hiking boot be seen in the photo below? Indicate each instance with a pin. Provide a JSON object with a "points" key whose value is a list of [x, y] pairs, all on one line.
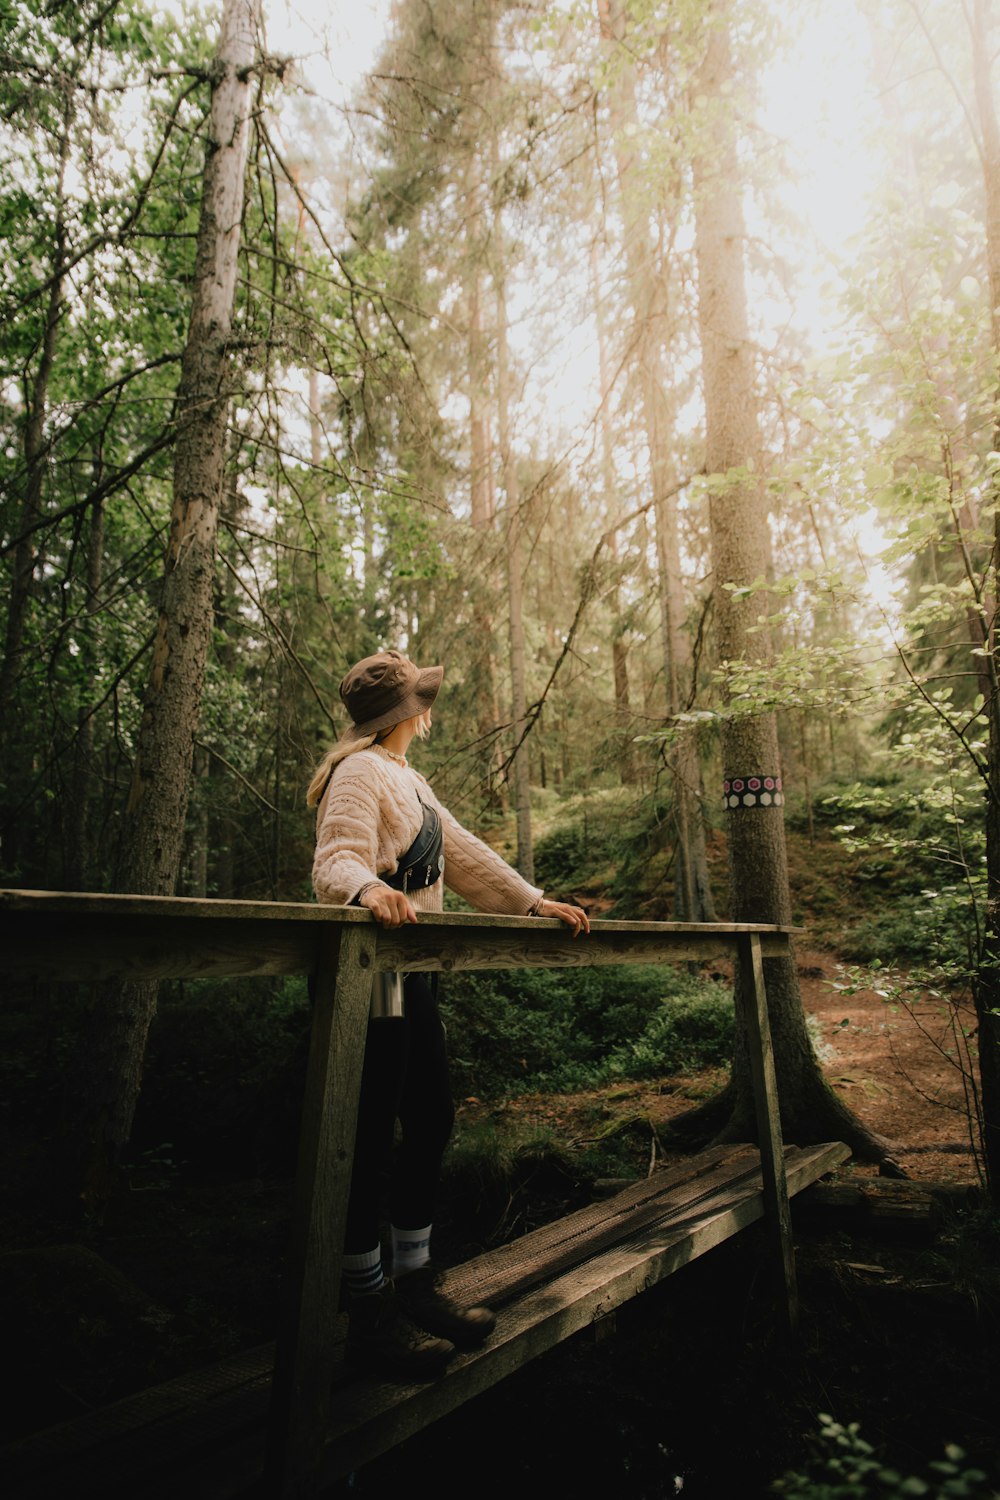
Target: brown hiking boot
{"points": [[430, 1307], [384, 1340]]}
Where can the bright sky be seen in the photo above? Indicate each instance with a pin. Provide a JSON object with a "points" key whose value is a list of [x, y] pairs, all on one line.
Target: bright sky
{"points": [[817, 95], [817, 106], [817, 101], [337, 41]]}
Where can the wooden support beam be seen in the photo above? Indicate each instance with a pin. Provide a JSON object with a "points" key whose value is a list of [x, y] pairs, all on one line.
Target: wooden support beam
{"points": [[549, 945], [765, 1090], [306, 1349]]}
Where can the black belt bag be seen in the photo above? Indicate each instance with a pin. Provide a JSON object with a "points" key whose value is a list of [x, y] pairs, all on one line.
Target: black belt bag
{"points": [[423, 863], [420, 866]]}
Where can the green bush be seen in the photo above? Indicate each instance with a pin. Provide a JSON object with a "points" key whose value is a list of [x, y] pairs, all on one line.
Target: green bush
{"points": [[537, 1029], [621, 847], [848, 1468], [918, 843], [685, 1034], [226, 1059], [932, 929], [585, 846]]}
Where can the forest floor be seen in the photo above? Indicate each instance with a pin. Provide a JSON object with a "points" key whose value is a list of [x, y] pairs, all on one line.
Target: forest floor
{"points": [[896, 1065], [697, 1394]]}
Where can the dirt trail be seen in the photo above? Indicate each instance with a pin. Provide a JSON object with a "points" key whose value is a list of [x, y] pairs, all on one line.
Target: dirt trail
{"points": [[888, 1061], [896, 1066]]}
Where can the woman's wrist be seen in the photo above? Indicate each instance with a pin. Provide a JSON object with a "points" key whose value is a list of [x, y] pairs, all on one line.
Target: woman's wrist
{"points": [[371, 885]]}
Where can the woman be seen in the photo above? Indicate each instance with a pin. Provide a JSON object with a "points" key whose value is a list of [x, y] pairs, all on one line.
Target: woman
{"points": [[385, 842]]}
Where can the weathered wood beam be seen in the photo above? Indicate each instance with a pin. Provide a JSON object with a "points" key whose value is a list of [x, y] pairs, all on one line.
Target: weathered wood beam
{"points": [[551, 946], [53, 935], [765, 1093], [306, 1348], [13, 900]]}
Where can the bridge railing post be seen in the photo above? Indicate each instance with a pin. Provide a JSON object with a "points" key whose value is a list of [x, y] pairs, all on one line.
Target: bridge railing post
{"points": [[306, 1348], [777, 1210]]}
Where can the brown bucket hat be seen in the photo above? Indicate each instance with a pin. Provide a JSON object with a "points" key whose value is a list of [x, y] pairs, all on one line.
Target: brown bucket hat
{"points": [[385, 689]]}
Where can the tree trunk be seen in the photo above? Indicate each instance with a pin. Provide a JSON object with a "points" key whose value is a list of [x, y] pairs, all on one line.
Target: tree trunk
{"points": [[987, 986], [488, 751], [197, 881], [740, 547], [514, 522], [157, 803], [79, 855], [646, 290], [513, 506], [613, 509], [693, 900]]}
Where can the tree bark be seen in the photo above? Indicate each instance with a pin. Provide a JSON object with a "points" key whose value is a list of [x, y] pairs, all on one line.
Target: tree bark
{"points": [[740, 548], [488, 756], [646, 291], [79, 855], [514, 524], [613, 509], [513, 502], [986, 989], [157, 804]]}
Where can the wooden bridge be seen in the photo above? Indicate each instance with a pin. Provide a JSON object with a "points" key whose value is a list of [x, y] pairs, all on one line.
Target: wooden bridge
{"points": [[288, 1420]]}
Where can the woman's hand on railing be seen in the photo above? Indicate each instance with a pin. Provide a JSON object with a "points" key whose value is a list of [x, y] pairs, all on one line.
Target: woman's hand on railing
{"points": [[573, 916], [391, 908]]}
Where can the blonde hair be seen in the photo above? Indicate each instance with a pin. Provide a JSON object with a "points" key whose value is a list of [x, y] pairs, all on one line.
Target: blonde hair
{"points": [[343, 748]]}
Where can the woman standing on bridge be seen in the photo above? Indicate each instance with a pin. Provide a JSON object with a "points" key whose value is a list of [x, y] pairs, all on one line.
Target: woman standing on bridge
{"points": [[384, 841]]}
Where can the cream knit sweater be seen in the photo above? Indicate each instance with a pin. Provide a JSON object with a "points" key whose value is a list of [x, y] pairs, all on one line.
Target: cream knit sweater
{"points": [[370, 814]]}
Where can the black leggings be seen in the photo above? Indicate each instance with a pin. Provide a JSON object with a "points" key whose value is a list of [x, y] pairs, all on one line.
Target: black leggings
{"points": [[405, 1078]]}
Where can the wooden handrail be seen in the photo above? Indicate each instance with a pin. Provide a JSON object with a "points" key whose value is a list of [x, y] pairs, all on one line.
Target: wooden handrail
{"points": [[58, 935], [63, 935]]}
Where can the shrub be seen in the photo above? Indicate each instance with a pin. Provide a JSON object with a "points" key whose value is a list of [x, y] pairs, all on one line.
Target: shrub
{"points": [[600, 837], [848, 1468], [931, 928], [562, 1030], [618, 846], [918, 842]]}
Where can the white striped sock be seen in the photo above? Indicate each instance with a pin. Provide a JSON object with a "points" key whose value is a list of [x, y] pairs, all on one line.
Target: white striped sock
{"points": [[363, 1273], [411, 1249]]}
